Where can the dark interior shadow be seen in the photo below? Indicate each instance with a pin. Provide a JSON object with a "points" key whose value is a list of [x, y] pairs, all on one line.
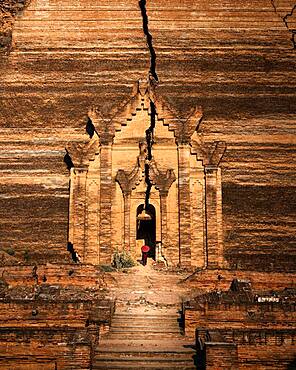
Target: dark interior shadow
{"points": [[189, 346], [70, 248], [292, 365], [90, 128], [68, 161]]}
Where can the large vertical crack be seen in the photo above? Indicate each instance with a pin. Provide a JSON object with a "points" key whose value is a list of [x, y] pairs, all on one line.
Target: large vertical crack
{"points": [[152, 79], [293, 31], [149, 39], [285, 19], [150, 130], [149, 141]]}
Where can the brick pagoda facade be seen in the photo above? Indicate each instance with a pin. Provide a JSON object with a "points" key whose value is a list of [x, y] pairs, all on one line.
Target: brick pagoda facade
{"points": [[111, 172]]}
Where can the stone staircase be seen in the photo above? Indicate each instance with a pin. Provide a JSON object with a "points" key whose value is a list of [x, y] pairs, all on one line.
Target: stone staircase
{"points": [[150, 340]]}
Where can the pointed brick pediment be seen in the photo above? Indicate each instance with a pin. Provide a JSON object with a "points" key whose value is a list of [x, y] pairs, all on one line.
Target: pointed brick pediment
{"points": [[139, 105]]}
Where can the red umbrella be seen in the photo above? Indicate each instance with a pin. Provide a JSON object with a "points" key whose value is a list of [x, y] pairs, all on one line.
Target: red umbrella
{"points": [[145, 248]]}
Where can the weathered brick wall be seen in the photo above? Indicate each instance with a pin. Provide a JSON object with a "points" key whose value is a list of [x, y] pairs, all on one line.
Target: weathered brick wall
{"points": [[85, 276], [275, 356], [51, 315], [235, 60], [264, 315], [35, 348], [255, 349], [203, 281], [220, 356], [8, 11], [258, 224], [259, 324], [51, 102], [260, 302], [42, 313]]}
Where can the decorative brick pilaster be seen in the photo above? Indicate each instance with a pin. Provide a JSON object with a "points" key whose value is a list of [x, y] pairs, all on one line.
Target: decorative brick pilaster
{"points": [[184, 205], [127, 221], [211, 155], [81, 154], [79, 214], [105, 198], [163, 182], [184, 131], [163, 216], [213, 221], [92, 254], [72, 186]]}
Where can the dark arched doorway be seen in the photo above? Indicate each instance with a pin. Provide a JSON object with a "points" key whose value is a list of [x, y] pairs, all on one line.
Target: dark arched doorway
{"points": [[146, 227]]}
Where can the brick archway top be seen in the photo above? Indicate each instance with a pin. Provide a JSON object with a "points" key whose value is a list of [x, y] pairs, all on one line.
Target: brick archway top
{"points": [[143, 94]]}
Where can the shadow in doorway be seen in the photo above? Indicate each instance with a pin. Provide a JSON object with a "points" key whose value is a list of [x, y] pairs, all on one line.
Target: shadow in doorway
{"points": [[146, 228]]}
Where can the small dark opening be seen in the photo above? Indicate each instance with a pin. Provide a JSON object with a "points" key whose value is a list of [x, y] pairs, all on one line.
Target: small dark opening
{"points": [[90, 128], [146, 229], [70, 248], [68, 161]]}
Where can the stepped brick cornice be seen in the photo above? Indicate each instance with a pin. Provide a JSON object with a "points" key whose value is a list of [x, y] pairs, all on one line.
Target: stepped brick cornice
{"points": [[82, 153], [210, 154]]}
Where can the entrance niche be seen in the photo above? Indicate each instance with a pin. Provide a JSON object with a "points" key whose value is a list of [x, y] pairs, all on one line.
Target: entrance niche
{"points": [[146, 227], [185, 220]]}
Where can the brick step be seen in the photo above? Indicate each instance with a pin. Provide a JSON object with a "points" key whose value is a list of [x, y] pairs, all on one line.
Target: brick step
{"points": [[148, 361], [123, 344], [161, 300], [120, 357], [140, 358], [147, 355], [145, 318], [137, 326], [114, 366], [136, 330], [138, 292], [134, 299], [142, 322], [142, 335], [144, 326], [185, 365], [147, 322], [157, 315], [147, 287]]}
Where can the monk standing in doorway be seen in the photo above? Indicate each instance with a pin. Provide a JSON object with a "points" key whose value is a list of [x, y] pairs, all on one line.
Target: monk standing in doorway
{"points": [[145, 249]]}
